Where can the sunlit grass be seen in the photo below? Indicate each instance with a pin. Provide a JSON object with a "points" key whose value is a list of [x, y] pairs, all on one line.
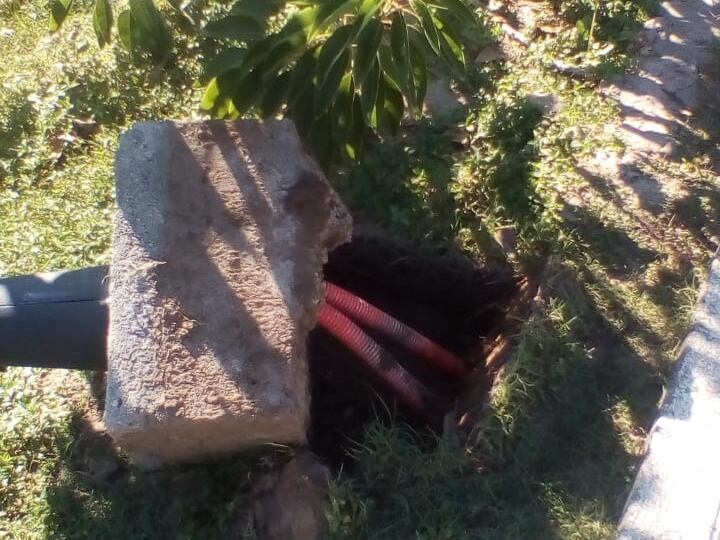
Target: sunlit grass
{"points": [[554, 452]]}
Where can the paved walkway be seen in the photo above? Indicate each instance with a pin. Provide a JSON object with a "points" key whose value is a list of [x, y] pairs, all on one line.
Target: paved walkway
{"points": [[676, 494]]}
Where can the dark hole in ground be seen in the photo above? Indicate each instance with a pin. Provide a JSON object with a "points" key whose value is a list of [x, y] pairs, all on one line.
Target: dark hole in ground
{"points": [[446, 297]]}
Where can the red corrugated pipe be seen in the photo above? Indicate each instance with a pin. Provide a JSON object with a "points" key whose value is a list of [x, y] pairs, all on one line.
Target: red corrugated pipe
{"points": [[373, 318], [373, 356]]}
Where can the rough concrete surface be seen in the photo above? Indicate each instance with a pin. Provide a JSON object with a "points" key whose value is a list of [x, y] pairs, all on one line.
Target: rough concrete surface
{"points": [[676, 495], [221, 234], [674, 87], [677, 51]]}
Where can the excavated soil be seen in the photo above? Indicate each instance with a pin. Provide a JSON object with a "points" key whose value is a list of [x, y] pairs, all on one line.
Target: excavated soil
{"points": [[446, 297]]}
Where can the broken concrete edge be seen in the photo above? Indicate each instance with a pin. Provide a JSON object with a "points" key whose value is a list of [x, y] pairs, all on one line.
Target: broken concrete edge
{"points": [[221, 234], [676, 493]]}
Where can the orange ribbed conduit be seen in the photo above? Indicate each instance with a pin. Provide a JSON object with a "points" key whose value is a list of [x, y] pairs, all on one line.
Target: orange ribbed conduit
{"points": [[405, 387], [369, 316]]}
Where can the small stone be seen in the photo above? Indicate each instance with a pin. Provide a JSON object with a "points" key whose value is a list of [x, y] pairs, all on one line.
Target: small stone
{"points": [[547, 103], [491, 53], [441, 101], [507, 238], [291, 505], [494, 5]]}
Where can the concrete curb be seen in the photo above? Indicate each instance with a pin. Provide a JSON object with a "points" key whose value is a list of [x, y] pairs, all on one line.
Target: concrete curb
{"points": [[676, 494]]}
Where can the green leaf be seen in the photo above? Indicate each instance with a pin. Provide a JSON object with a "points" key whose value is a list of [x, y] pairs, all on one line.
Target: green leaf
{"points": [[399, 39], [332, 64], [326, 90], [153, 31], [247, 92], [388, 66], [302, 75], [376, 120], [461, 31], [449, 23], [369, 90], [59, 10], [418, 39], [320, 141], [459, 9], [341, 114], [367, 11], [212, 93], [274, 96], [225, 60], [400, 47], [225, 108], [393, 109], [366, 50], [258, 52], [452, 53], [237, 27], [181, 19], [428, 26], [284, 52], [228, 81], [299, 22], [126, 30], [359, 127], [329, 11], [301, 109], [260, 10], [102, 21], [420, 75], [284, 45]]}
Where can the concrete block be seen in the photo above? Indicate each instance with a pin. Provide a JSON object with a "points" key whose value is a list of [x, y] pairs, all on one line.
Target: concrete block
{"points": [[221, 233], [676, 495]]}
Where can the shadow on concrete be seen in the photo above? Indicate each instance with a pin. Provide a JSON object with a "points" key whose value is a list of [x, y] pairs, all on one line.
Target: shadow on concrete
{"points": [[211, 236], [677, 51]]}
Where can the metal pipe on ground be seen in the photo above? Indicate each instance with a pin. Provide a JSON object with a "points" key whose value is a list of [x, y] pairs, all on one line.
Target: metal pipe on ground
{"points": [[55, 320]]}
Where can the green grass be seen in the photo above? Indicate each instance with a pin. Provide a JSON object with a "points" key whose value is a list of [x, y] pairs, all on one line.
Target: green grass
{"points": [[554, 451], [551, 457], [33, 431], [53, 176], [56, 210], [551, 452]]}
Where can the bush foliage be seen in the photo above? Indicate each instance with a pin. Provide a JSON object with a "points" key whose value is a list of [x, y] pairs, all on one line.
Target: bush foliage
{"points": [[343, 70]]}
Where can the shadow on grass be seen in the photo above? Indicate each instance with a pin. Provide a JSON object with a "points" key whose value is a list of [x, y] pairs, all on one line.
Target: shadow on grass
{"points": [[554, 452], [699, 213], [404, 184], [612, 247], [422, 185], [98, 496], [552, 457]]}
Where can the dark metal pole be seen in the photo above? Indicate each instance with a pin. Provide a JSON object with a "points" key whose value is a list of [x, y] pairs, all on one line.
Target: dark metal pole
{"points": [[55, 320]]}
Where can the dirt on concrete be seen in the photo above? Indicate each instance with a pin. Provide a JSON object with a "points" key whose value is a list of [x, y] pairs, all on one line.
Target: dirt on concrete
{"points": [[215, 282]]}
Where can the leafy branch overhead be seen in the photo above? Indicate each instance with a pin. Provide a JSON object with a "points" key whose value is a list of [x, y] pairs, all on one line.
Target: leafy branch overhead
{"points": [[343, 70]]}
